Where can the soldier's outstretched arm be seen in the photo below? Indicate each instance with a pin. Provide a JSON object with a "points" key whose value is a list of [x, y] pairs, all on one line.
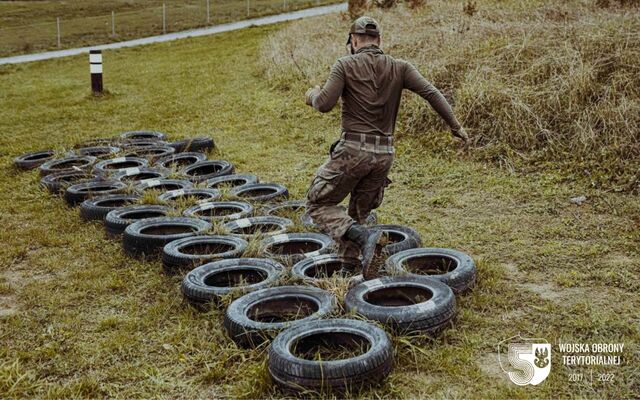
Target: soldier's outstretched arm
{"points": [[414, 81], [325, 98]]}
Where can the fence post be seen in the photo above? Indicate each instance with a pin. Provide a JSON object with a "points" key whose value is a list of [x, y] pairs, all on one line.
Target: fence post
{"points": [[247, 8], [164, 18], [113, 23], [208, 12], [95, 67], [58, 27]]}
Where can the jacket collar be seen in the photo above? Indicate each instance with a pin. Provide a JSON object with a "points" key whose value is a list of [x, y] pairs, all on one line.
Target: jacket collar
{"points": [[370, 48]]}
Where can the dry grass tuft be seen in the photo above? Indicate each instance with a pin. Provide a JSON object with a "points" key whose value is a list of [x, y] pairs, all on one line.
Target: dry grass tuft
{"points": [[533, 83]]}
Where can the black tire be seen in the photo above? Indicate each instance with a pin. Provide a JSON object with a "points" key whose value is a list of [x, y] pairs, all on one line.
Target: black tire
{"points": [[261, 192], [102, 152], [163, 185], [451, 267], [293, 247], [262, 226], [198, 144], [286, 209], [76, 194], [141, 144], [369, 368], [148, 237], [116, 221], [185, 254], [399, 238], [115, 165], [327, 266], [210, 282], [220, 211], [232, 180], [151, 153], [67, 164], [197, 194], [58, 182], [399, 302], [248, 318], [179, 161], [98, 207], [143, 135], [33, 160], [307, 221], [137, 175], [203, 170]]}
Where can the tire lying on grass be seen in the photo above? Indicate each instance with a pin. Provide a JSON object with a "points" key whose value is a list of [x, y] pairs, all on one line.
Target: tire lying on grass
{"points": [[327, 266], [143, 135], [99, 151], [296, 246], [33, 160], [258, 316], [179, 161], [163, 185], [210, 282], [137, 144], [285, 209], [263, 226], [151, 153], [148, 237], [197, 144], [185, 254], [98, 207], [232, 180], [58, 182], [451, 267], [79, 192], [398, 238], [204, 170], [406, 304], [116, 221], [67, 164], [137, 175], [354, 355], [220, 211], [260, 192], [194, 195], [115, 165]]}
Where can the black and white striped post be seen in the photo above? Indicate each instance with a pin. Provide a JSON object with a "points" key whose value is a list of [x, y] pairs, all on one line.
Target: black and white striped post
{"points": [[95, 63]]}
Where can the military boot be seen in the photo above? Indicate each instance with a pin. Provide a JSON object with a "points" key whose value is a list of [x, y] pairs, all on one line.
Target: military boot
{"points": [[367, 240]]}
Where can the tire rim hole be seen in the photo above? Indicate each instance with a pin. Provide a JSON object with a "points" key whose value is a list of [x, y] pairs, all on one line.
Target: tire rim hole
{"points": [[135, 215], [393, 237], [331, 269], [165, 187], [141, 177], [219, 211], [123, 165], [103, 188], [181, 162], [113, 203], [206, 248], [330, 346], [69, 164], [187, 197], [431, 265], [283, 309], [166, 230], [257, 228], [258, 192], [398, 296], [205, 170], [38, 156], [230, 183], [235, 278], [294, 247]]}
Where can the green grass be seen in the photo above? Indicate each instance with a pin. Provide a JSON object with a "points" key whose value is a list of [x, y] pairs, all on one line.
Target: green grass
{"points": [[87, 321], [30, 26]]}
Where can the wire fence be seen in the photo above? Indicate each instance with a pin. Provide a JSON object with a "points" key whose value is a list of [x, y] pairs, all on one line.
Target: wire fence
{"points": [[63, 33]]}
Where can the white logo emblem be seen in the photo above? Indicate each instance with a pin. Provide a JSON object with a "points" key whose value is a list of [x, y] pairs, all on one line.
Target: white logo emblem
{"points": [[527, 361]]}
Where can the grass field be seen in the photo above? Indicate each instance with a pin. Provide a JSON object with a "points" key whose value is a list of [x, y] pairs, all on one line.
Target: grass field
{"points": [[30, 26], [80, 319]]}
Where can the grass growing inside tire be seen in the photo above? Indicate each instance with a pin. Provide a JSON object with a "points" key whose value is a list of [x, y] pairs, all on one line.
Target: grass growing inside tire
{"points": [[80, 319]]}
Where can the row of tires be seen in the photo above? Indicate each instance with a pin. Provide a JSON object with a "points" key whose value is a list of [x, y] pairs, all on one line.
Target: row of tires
{"points": [[276, 297]]}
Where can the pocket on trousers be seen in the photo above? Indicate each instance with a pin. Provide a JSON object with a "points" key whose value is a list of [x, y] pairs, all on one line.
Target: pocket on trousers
{"points": [[326, 187], [377, 201]]}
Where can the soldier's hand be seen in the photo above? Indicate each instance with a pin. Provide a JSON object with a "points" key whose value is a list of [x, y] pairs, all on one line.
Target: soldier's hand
{"points": [[462, 135], [310, 94]]}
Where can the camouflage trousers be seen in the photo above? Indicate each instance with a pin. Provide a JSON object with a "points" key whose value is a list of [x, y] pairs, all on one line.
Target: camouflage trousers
{"points": [[352, 169]]}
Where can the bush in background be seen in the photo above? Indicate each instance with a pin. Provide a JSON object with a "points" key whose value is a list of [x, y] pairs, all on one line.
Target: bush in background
{"points": [[537, 84]]}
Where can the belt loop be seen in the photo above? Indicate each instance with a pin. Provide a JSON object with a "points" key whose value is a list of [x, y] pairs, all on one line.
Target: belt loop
{"points": [[377, 145]]}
